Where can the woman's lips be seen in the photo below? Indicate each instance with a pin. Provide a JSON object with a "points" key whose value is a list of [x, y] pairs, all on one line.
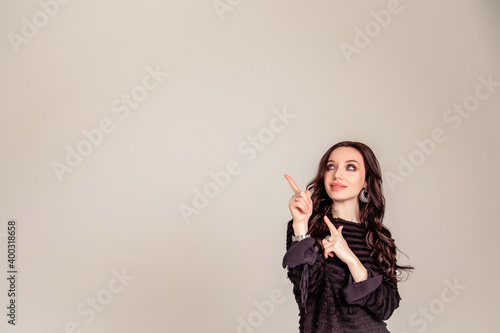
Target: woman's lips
{"points": [[337, 187]]}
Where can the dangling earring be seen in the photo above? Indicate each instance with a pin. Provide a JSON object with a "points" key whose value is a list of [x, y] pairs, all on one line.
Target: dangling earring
{"points": [[364, 196]]}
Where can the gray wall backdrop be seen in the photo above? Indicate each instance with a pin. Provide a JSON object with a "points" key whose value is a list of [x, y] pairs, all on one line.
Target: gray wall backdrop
{"points": [[143, 146]]}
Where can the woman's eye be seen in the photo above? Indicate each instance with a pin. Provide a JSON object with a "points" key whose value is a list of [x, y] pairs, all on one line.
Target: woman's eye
{"points": [[350, 167]]}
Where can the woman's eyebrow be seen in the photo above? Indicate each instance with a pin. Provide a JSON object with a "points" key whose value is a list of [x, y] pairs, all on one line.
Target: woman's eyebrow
{"points": [[346, 161]]}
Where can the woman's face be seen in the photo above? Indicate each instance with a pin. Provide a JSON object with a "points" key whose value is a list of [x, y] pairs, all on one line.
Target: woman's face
{"points": [[345, 174]]}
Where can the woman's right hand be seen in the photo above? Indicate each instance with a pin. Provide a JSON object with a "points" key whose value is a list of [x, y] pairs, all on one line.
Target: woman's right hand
{"points": [[300, 205]]}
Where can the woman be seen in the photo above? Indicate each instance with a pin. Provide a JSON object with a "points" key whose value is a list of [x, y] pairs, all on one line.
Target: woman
{"points": [[340, 257]]}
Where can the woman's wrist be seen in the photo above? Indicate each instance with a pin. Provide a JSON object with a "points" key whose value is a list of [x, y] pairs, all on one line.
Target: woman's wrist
{"points": [[300, 228], [358, 271]]}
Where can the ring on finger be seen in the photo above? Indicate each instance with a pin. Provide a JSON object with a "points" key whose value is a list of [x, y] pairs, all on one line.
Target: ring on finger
{"points": [[327, 238]]}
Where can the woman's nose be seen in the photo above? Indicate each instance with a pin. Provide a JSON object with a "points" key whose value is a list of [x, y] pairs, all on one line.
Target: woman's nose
{"points": [[338, 175]]}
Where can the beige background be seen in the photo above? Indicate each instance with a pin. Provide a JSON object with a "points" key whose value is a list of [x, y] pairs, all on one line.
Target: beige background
{"points": [[120, 207]]}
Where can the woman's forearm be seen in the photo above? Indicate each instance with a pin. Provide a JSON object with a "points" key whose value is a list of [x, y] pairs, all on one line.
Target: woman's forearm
{"points": [[358, 271]]}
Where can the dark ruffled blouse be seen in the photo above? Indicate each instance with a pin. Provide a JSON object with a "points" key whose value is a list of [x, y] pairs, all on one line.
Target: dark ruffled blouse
{"points": [[328, 298]]}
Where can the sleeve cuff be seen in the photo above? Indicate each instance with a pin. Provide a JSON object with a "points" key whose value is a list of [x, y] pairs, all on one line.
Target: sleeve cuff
{"points": [[354, 292], [300, 253]]}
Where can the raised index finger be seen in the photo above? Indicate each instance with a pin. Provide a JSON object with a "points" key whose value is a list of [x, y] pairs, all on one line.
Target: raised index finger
{"points": [[333, 230], [294, 186]]}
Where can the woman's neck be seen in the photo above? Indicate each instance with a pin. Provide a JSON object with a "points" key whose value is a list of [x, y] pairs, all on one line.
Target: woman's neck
{"points": [[347, 210]]}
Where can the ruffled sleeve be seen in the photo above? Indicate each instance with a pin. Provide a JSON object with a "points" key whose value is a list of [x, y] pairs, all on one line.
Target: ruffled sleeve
{"points": [[305, 269], [378, 296], [355, 292], [300, 253]]}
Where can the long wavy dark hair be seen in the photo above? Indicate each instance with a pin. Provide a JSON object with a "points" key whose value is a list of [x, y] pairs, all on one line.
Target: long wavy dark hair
{"points": [[377, 237]]}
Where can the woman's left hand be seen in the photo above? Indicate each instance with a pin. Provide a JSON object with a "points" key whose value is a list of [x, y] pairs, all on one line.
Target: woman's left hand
{"points": [[337, 244]]}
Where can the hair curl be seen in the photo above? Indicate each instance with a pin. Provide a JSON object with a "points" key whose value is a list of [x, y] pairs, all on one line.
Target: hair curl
{"points": [[377, 237]]}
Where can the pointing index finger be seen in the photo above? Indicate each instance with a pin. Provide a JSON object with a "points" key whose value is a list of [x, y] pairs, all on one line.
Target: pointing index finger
{"points": [[294, 186], [333, 230]]}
